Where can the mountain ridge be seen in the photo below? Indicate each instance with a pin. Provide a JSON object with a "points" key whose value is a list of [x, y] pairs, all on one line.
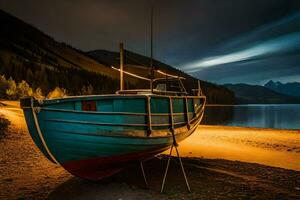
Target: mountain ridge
{"points": [[290, 88], [256, 94]]}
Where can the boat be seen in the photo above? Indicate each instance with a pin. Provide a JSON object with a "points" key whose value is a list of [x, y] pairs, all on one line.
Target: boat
{"points": [[96, 136]]}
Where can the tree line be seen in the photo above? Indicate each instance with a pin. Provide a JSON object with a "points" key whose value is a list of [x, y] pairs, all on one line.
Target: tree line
{"points": [[20, 75]]}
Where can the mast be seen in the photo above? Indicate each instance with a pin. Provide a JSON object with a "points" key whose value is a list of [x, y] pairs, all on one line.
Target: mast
{"points": [[151, 52], [199, 89], [121, 66]]}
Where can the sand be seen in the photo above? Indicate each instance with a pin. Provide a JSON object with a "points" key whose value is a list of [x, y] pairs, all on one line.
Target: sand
{"points": [[220, 162], [278, 148]]}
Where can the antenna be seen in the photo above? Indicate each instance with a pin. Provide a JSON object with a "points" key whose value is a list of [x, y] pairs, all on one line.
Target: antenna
{"points": [[151, 52], [121, 66], [151, 39]]}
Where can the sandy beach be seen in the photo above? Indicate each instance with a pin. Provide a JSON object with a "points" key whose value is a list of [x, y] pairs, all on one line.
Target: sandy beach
{"points": [[278, 148], [221, 163]]}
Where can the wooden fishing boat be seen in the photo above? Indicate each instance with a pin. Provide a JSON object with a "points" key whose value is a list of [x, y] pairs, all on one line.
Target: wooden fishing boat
{"points": [[96, 136], [93, 137]]}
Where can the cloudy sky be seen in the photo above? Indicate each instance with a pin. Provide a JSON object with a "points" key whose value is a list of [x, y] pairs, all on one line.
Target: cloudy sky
{"points": [[223, 41]]}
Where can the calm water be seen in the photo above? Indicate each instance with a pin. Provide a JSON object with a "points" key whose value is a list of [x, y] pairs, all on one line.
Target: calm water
{"points": [[285, 116]]}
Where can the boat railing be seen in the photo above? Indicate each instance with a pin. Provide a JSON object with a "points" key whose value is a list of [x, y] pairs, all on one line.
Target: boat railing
{"points": [[189, 115], [154, 91]]}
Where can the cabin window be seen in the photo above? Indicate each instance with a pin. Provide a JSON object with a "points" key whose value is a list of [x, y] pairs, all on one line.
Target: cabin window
{"points": [[88, 106], [161, 87]]}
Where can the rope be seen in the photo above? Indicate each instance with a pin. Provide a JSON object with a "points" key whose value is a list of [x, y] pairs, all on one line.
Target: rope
{"points": [[36, 122]]}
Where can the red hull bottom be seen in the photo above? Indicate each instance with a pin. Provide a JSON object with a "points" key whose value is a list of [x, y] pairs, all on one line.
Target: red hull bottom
{"points": [[102, 167]]}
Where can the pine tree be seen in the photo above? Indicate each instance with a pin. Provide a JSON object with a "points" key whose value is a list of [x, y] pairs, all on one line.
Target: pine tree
{"points": [[24, 90], [43, 80], [38, 94], [90, 90], [56, 93], [12, 89], [29, 76], [3, 86], [83, 90]]}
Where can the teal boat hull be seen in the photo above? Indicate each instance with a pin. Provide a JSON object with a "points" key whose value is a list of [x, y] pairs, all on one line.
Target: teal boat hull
{"points": [[93, 137]]}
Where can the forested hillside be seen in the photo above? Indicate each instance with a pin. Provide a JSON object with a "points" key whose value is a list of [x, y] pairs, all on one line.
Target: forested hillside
{"points": [[29, 55]]}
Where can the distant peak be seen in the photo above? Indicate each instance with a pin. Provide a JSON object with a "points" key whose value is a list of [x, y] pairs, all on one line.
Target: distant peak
{"points": [[270, 82]]}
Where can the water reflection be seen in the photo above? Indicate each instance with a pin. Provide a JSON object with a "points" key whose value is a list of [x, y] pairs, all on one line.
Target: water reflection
{"points": [[262, 116], [218, 115]]}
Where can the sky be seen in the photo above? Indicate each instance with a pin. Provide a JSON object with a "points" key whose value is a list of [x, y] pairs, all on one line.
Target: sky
{"points": [[222, 41]]}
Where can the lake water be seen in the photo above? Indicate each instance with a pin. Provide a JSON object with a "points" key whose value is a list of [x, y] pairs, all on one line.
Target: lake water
{"points": [[283, 116]]}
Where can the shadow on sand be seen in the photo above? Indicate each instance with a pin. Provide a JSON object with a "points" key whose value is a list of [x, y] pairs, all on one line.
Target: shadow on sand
{"points": [[128, 184], [209, 179]]}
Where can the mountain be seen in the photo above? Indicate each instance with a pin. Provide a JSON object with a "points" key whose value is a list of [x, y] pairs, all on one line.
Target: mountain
{"points": [[292, 89], [27, 53], [256, 94]]}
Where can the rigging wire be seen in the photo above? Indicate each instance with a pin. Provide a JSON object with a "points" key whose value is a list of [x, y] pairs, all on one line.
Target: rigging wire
{"points": [[147, 79], [131, 74]]}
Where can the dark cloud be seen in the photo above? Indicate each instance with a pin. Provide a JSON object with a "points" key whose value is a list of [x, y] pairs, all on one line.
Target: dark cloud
{"points": [[184, 31], [271, 51]]}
